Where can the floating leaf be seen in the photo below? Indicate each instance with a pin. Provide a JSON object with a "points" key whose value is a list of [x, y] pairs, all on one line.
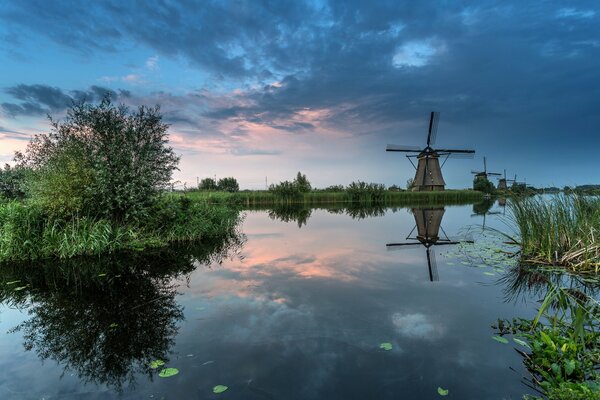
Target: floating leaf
{"points": [[12, 282], [500, 339], [489, 273], [199, 308], [167, 372], [385, 346], [19, 288], [443, 392], [102, 274], [220, 388], [156, 363], [521, 342]]}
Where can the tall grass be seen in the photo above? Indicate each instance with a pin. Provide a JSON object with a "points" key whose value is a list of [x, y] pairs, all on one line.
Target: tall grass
{"points": [[561, 230], [28, 232], [265, 198]]}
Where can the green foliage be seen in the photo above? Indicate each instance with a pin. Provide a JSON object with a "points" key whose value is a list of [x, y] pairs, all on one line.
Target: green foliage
{"points": [[563, 342], [334, 188], [302, 183], [12, 182], [395, 188], [562, 230], [410, 183], [366, 192], [208, 184], [229, 184], [29, 231], [483, 184], [119, 161]]}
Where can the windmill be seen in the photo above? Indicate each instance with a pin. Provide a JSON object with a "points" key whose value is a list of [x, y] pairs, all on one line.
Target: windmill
{"points": [[428, 174], [484, 174], [502, 182], [428, 223]]}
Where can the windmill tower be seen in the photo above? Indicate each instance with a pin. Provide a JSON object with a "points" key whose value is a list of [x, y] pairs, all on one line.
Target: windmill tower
{"points": [[484, 174], [502, 182], [428, 223], [428, 176]]}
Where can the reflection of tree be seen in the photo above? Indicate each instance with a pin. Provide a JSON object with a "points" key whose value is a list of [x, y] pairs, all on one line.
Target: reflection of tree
{"points": [[483, 207], [298, 213], [106, 318], [358, 212]]}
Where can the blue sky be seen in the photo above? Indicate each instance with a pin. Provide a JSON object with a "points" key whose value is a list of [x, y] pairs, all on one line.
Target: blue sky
{"points": [[256, 88]]}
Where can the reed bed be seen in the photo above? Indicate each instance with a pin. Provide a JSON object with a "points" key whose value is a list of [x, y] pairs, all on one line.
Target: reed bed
{"points": [[562, 230], [27, 232], [265, 198]]}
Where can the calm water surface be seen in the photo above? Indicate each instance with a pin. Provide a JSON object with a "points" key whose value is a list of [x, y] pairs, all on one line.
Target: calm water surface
{"points": [[295, 309]]}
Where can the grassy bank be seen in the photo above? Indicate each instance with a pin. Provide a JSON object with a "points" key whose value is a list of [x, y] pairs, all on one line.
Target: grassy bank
{"points": [[28, 231], [266, 198], [563, 230]]}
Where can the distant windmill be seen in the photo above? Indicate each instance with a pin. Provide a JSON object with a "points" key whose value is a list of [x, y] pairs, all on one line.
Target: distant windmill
{"points": [[428, 174], [484, 174], [428, 223], [503, 181]]}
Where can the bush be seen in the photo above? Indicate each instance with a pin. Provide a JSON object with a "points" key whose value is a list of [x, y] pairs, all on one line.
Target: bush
{"points": [[302, 183], [366, 192], [228, 185], [285, 189], [120, 159], [207, 184], [482, 184]]}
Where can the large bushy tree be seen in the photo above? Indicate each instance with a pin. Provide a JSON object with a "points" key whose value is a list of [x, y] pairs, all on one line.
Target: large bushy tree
{"points": [[207, 184], [302, 183], [102, 159], [229, 184], [12, 182]]}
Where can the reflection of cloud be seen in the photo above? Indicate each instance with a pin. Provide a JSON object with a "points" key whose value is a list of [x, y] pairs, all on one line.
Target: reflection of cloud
{"points": [[417, 326]]}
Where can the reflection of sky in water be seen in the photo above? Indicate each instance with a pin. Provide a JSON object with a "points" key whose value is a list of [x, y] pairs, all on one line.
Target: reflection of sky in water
{"points": [[302, 313]]}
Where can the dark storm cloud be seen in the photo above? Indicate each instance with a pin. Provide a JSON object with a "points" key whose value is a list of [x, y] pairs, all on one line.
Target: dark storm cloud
{"points": [[42, 99], [378, 63]]}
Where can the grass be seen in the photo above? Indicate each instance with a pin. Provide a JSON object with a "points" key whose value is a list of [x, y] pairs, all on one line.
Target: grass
{"points": [[562, 230], [28, 232], [266, 198]]}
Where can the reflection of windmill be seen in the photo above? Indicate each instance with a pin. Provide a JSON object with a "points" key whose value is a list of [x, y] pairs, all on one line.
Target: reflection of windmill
{"points": [[428, 223], [484, 174], [503, 181], [428, 174]]}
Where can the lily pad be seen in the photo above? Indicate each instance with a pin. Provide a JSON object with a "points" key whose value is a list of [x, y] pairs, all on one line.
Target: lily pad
{"points": [[156, 363], [500, 339], [220, 389], [385, 346], [168, 372], [489, 273], [443, 392]]}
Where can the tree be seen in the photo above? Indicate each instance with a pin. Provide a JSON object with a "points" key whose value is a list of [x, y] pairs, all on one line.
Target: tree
{"points": [[482, 184], [207, 184], [410, 183], [118, 160], [302, 183], [229, 184]]}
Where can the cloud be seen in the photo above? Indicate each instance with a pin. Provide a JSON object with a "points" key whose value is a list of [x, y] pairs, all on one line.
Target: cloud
{"points": [[42, 99]]}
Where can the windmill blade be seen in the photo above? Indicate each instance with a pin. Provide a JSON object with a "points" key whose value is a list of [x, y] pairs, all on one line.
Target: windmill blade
{"points": [[405, 149], [477, 172], [433, 125], [494, 174], [455, 151], [484, 165], [461, 156], [432, 266], [400, 246]]}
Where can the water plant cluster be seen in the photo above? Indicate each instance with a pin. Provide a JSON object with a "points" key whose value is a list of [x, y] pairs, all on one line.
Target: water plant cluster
{"points": [[561, 230]]}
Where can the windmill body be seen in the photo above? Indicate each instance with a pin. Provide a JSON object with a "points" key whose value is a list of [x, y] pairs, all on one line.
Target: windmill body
{"points": [[503, 182], [428, 174], [485, 174]]}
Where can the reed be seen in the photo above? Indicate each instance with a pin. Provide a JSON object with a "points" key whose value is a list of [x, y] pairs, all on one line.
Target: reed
{"points": [[28, 232], [265, 198], [562, 230]]}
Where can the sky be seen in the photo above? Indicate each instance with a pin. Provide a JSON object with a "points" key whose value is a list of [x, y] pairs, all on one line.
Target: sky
{"points": [[259, 90]]}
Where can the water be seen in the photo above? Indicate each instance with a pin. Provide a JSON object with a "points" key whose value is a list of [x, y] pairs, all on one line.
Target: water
{"points": [[296, 308]]}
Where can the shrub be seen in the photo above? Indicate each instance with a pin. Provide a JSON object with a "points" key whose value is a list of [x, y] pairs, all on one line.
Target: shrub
{"points": [[285, 189], [12, 182], [302, 183], [483, 184], [366, 192], [207, 184], [124, 155], [229, 184]]}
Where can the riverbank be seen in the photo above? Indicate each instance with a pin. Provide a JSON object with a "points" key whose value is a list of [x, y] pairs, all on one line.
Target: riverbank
{"points": [[28, 231], [266, 198]]}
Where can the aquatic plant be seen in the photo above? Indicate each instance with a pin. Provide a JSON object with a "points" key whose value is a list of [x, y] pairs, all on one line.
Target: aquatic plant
{"points": [[561, 230]]}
